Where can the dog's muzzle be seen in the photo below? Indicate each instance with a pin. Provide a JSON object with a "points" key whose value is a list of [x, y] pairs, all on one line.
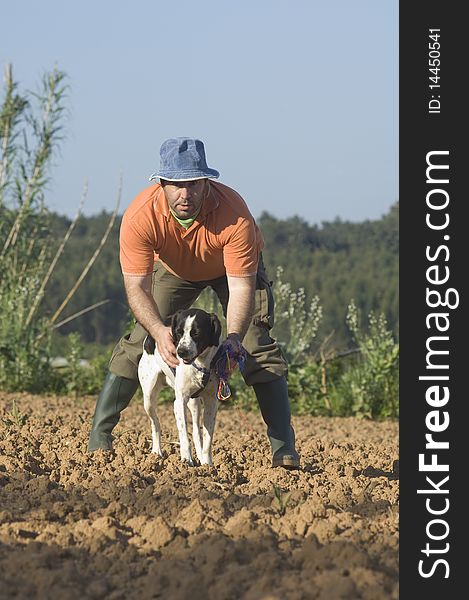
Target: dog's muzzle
{"points": [[185, 355]]}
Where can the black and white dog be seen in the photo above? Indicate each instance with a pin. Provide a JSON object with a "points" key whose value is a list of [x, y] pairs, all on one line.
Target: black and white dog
{"points": [[196, 335]]}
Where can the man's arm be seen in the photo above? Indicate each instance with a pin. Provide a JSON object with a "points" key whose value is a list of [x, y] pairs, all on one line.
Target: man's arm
{"points": [[240, 305], [142, 304]]}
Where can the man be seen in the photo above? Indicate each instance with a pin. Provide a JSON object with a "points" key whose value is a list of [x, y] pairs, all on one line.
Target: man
{"points": [[200, 233]]}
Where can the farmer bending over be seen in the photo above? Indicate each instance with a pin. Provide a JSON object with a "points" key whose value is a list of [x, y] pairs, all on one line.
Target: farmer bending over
{"points": [[177, 237]]}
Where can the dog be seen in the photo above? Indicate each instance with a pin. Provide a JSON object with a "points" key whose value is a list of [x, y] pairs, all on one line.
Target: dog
{"points": [[196, 335]]}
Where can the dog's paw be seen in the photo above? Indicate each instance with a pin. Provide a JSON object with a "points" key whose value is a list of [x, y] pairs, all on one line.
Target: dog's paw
{"points": [[188, 462], [206, 459]]}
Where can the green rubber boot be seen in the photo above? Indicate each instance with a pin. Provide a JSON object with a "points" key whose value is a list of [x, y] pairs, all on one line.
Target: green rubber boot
{"points": [[275, 408], [116, 394]]}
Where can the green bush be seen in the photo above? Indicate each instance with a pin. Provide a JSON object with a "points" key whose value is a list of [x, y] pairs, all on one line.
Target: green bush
{"points": [[308, 396], [30, 130], [369, 387]]}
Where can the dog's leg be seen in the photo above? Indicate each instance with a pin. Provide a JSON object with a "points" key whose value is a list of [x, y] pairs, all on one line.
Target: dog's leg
{"points": [[195, 407], [149, 402], [180, 404], [210, 414]]}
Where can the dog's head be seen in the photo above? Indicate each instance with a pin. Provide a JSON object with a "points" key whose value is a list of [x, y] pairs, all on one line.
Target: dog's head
{"points": [[194, 330]]}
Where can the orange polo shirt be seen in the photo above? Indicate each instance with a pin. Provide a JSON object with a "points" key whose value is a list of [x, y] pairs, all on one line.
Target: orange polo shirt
{"points": [[223, 239]]}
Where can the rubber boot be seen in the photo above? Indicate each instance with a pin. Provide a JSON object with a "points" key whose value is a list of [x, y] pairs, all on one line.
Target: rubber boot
{"points": [[116, 394], [275, 408]]}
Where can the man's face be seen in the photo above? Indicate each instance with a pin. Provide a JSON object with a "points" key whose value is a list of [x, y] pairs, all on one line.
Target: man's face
{"points": [[185, 197]]}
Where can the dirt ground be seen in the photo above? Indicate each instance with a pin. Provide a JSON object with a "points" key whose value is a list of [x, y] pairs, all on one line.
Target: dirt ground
{"points": [[132, 526]]}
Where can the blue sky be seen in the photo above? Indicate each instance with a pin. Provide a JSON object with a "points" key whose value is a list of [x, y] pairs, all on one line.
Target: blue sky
{"points": [[297, 102]]}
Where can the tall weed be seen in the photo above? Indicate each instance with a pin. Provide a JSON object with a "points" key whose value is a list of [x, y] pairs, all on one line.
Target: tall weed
{"points": [[296, 322], [369, 387], [30, 131]]}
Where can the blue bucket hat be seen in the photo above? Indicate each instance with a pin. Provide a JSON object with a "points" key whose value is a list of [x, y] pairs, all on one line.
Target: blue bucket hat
{"points": [[183, 159]]}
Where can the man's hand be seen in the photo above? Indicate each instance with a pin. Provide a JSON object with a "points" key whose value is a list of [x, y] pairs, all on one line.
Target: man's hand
{"points": [[233, 341], [233, 346], [165, 344], [143, 306]]}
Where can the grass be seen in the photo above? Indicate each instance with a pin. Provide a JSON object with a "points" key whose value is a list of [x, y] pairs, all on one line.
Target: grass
{"points": [[281, 499], [17, 418]]}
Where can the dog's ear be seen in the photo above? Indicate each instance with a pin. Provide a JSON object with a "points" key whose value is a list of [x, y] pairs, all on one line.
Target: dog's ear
{"points": [[174, 324], [216, 329]]}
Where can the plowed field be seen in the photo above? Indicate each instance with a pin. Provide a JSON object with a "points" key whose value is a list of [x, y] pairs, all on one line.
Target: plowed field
{"points": [[128, 525]]}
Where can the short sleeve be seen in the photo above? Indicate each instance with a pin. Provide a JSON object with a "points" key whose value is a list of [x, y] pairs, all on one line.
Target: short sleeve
{"points": [[241, 250], [136, 249]]}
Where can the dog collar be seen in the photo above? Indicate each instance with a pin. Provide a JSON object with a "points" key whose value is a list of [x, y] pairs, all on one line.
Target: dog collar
{"points": [[205, 378]]}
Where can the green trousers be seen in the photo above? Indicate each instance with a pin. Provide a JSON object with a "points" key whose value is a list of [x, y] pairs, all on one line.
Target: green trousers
{"points": [[265, 361]]}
